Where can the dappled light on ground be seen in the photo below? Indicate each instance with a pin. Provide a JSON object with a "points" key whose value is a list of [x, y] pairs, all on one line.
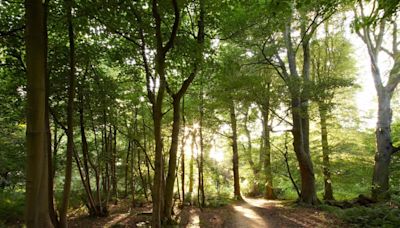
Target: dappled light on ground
{"points": [[248, 217], [116, 220], [194, 219]]}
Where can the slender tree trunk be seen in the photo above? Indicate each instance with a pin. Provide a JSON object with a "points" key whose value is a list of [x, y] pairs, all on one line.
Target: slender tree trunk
{"points": [[86, 158], [132, 171], [183, 152], [235, 157], [114, 167], [201, 165], [269, 187], [169, 188], [142, 179], [158, 162], [37, 206], [70, 120], [191, 167], [380, 181], [286, 156], [328, 193], [249, 152], [52, 212], [127, 167]]}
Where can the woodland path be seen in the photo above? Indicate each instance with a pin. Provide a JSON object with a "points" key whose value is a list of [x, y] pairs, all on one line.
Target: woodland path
{"points": [[252, 213], [255, 213]]}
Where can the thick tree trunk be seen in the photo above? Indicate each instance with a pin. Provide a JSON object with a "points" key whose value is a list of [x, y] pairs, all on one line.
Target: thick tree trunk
{"points": [[37, 206], [299, 109], [380, 181], [328, 193], [235, 156], [308, 191], [70, 120]]}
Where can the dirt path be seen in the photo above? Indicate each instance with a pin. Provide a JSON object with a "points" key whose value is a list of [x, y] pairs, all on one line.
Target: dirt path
{"points": [[252, 213], [255, 213]]}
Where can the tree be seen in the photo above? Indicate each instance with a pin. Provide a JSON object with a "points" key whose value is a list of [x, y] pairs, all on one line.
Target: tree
{"points": [[70, 118], [305, 18], [373, 35], [332, 69], [37, 208]]}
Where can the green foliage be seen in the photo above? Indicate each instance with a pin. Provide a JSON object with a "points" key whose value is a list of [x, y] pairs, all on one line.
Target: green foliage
{"points": [[12, 206], [380, 215], [12, 156]]}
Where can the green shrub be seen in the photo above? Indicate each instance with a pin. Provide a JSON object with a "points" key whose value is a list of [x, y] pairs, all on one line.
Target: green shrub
{"points": [[379, 215]]}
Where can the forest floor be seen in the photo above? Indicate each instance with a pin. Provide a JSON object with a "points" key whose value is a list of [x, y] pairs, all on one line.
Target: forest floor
{"points": [[248, 214]]}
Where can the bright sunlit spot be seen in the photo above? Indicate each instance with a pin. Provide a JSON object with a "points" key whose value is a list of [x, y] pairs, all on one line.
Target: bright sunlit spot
{"points": [[216, 153]]}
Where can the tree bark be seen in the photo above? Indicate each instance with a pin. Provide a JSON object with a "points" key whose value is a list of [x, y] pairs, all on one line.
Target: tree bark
{"points": [[114, 167], [308, 191], [70, 118], [269, 187], [328, 192], [127, 167], [183, 153], [191, 167], [235, 156], [249, 152], [201, 165], [380, 180], [52, 211], [169, 188], [86, 159], [37, 206], [299, 109]]}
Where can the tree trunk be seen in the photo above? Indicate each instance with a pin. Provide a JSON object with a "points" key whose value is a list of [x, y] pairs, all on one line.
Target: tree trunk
{"points": [[380, 181], [52, 212], [142, 179], [235, 157], [113, 166], [249, 152], [158, 162], [132, 171], [70, 120], [328, 193], [308, 191], [299, 109], [201, 168], [127, 167], [169, 188], [183, 153], [269, 187], [85, 154], [191, 167], [37, 206]]}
